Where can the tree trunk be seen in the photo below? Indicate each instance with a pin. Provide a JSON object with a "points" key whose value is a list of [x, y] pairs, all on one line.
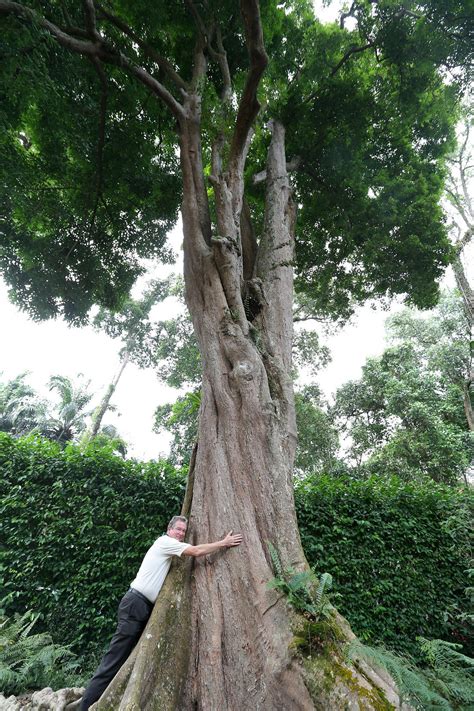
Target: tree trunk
{"points": [[100, 411], [240, 630], [218, 638]]}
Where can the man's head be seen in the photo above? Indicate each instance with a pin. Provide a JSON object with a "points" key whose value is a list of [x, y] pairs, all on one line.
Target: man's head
{"points": [[177, 527]]}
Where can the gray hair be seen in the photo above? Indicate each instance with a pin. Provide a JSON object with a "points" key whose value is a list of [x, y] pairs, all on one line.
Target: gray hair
{"points": [[175, 519]]}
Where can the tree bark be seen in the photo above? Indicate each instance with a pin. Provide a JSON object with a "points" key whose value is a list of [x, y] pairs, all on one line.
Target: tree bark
{"points": [[240, 629]]}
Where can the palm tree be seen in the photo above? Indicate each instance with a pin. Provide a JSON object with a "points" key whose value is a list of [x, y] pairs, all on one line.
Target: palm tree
{"points": [[68, 420], [21, 410]]}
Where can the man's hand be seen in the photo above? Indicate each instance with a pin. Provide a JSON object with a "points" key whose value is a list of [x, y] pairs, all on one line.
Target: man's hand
{"points": [[232, 539]]}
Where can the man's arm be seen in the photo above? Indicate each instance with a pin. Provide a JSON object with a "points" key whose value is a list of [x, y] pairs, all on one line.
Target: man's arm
{"points": [[205, 548]]}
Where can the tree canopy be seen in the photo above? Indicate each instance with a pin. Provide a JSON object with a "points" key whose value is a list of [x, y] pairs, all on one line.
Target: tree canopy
{"points": [[90, 178]]}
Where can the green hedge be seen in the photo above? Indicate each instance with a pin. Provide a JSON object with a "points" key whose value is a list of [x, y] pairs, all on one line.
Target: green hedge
{"points": [[398, 554], [76, 524]]}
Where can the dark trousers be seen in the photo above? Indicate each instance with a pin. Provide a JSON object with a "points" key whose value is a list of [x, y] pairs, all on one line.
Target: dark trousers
{"points": [[133, 613]]}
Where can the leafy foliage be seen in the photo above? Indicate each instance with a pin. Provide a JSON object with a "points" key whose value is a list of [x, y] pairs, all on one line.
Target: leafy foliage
{"points": [[69, 419], [90, 171], [405, 416], [309, 595], [20, 407], [318, 440], [23, 412], [449, 671], [181, 419], [72, 540], [29, 661]]}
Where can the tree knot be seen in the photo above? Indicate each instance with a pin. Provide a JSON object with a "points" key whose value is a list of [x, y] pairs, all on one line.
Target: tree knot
{"points": [[242, 370], [227, 243]]}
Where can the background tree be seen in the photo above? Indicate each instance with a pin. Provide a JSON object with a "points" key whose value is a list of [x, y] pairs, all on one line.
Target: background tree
{"points": [[405, 416], [458, 190], [23, 412], [365, 117], [133, 326], [68, 419], [318, 439], [21, 409]]}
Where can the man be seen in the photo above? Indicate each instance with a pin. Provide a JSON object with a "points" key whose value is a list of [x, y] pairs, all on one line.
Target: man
{"points": [[136, 605]]}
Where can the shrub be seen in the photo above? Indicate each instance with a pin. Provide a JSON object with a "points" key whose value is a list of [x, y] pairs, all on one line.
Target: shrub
{"points": [[398, 566]]}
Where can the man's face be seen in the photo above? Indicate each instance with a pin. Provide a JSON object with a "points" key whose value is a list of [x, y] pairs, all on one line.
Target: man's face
{"points": [[178, 531]]}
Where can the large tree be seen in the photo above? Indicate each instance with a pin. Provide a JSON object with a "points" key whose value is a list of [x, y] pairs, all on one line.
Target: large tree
{"points": [[115, 116]]}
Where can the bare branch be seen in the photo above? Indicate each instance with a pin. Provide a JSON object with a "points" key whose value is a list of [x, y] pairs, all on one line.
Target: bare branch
{"points": [[291, 166], [455, 199], [464, 240], [319, 319], [197, 18], [220, 56], [249, 105], [163, 63], [200, 64], [348, 54], [344, 15], [462, 174]]}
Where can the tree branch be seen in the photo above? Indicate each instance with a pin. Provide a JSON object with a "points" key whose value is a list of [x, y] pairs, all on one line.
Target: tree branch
{"points": [[344, 15], [462, 174], [291, 166], [200, 64], [458, 205], [249, 105], [348, 54], [89, 15], [99, 49], [163, 63], [220, 56], [88, 49]]}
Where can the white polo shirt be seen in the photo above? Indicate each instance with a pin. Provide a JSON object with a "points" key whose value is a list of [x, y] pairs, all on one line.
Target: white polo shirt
{"points": [[155, 566]]}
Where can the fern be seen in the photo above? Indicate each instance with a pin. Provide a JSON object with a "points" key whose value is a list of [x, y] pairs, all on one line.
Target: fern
{"points": [[446, 684], [449, 671], [276, 562], [325, 583], [308, 595], [29, 660]]}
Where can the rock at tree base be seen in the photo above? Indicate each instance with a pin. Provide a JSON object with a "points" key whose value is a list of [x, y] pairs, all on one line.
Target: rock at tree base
{"points": [[44, 700]]}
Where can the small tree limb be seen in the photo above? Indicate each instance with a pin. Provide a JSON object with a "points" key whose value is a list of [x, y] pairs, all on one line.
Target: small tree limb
{"points": [[163, 63], [90, 20], [292, 165], [348, 54], [249, 105]]}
